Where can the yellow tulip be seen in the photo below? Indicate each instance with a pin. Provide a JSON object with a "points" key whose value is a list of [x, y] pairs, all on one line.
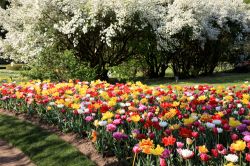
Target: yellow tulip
{"points": [[157, 151], [202, 149], [135, 118], [233, 122], [239, 145], [107, 115]]}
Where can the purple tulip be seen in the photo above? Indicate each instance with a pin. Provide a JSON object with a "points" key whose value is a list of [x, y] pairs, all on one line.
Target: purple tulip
{"points": [[165, 154], [119, 136], [247, 122], [242, 127]]}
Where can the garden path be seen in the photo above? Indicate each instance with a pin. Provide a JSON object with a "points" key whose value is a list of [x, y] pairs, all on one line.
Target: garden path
{"points": [[10, 156]]}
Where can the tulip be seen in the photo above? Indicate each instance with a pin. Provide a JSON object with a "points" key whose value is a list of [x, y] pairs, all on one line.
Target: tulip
{"points": [[215, 152], [220, 147], [234, 137], [248, 157], [226, 127], [246, 138], [239, 145], [186, 153], [189, 141], [111, 127], [89, 118], [195, 134], [165, 154], [202, 128], [179, 144], [163, 162], [204, 157], [231, 158], [168, 131], [136, 149]]}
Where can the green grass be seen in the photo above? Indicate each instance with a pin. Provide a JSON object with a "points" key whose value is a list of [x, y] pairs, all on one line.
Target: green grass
{"points": [[219, 79], [42, 147], [9, 75]]}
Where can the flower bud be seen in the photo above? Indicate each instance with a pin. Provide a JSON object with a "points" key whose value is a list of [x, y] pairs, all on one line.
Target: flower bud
{"points": [[234, 137], [189, 141]]}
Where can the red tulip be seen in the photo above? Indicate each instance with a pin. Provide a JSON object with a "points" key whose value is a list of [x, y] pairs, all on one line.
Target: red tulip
{"points": [[248, 157], [234, 137], [220, 147], [163, 162], [195, 134], [215, 152], [202, 128], [204, 157]]}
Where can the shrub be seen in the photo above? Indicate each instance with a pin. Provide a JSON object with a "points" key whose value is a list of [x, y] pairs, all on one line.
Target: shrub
{"points": [[126, 71], [55, 65]]}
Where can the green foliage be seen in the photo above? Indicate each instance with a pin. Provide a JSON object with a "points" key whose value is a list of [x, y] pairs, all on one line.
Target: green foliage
{"points": [[3, 3], [126, 70], [247, 1], [42, 147], [61, 66]]}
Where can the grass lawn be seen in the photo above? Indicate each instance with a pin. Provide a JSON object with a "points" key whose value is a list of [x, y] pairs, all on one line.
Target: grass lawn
{"points": [[9, 75], [219, 79], [43, 148]]}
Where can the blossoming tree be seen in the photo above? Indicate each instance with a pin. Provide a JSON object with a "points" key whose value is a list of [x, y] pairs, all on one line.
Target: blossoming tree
{"points": [[193, 34], [200, 33]]}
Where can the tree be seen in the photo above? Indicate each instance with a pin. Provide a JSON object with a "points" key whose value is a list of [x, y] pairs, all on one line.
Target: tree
{"points": [[192, 35], [102, 33], [201, 33], [3, 4]]}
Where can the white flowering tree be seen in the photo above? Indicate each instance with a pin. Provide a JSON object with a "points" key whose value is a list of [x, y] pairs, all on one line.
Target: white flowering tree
{"points": [[193, 34], [3, 5], [102, 32], [201, 32]]}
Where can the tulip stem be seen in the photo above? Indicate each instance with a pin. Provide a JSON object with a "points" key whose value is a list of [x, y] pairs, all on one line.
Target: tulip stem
{"points": [[134, 159], [240, 157]]}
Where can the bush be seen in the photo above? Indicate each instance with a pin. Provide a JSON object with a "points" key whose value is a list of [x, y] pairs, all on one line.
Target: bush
{"points": [[126, 71], [60, 66]]}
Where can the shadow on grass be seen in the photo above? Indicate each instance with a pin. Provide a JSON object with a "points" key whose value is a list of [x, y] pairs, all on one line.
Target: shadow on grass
{"points": [[217, 79], [43, 148]]}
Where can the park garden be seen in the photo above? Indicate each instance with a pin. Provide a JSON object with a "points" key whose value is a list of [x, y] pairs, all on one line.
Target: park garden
{"points": [[146, 82]]}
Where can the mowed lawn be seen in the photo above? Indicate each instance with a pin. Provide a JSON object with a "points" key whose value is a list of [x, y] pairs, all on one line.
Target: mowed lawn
{"points": [[218, 79], [43, 148], [10, 75]]}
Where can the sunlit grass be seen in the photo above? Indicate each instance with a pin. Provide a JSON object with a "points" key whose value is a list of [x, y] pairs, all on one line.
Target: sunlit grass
{"points": [[43, 148]]}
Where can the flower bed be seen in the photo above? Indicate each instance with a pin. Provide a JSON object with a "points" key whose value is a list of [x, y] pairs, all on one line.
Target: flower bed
{"points": [[166, 125]]}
